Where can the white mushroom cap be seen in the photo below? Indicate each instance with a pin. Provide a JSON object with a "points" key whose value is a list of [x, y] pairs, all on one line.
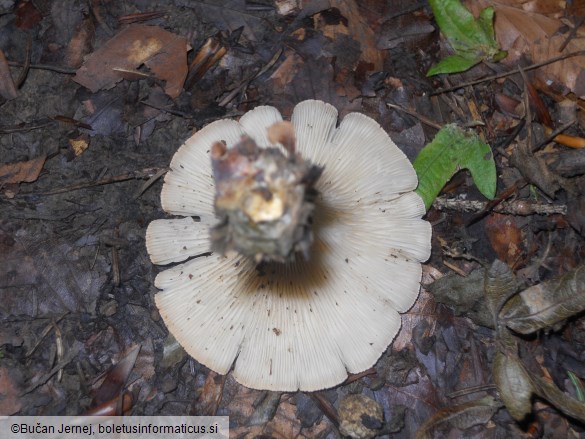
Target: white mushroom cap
{"points": [[302, 325]]}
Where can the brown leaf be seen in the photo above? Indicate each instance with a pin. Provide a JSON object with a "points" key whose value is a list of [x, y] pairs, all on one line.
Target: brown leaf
{"points": [[506, 237], [525, 29], [117, 376], [21, 171], [120, 403], [81, 43], [164, 53], [353, 24], [500, 285], [461, 416], [7, 87], [79, 145], [211, 394], [513, 383], [546, 304]]}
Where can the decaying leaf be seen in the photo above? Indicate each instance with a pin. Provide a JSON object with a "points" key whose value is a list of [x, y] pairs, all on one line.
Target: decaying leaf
{"points": [[79, 145], [20, 172], [173, 352], [506, 237], [116, 377], [546, 304], [211, 393], [81, 43], [163, 52], [466, 294], [513, 383], [522, 31], [461, 416], [358, 29], [453, 149], [500, 284], [563, 402]]}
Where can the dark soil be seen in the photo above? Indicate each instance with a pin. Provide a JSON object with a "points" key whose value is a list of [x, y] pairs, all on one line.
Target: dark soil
{"points": [[74, 270]]}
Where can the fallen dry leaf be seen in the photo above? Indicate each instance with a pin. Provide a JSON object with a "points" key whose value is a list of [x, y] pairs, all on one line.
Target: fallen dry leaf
{"points": [[81, 43], [211, 394], [353, 24], [164, 53], [117, 377], [79, 145], [21, 171], [523, 30], [7, 87], [506, 237], [545, 305]]}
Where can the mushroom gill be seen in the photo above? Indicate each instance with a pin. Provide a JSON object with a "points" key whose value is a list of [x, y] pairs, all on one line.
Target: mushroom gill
{"points": [[307, 322]]}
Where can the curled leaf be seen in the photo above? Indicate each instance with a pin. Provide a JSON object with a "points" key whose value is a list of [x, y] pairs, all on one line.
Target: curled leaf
{"points": [[546, 304], [513, 383], [500, 284], [22, 171], [465, 294], [461, 416]]}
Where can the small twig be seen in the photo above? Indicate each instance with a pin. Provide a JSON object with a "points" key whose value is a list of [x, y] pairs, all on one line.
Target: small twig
{"points": [[516, 207], [244, 84], [134, 175], [470, 390], [578, 22], [26, 66], [358, 376], [60, 349], [168, 110], [551, 136], [57, 69], [116, 262], [423, 119], [150, 182], [501, 146], [407, 10], [496, 201], [511, 72], [44, 334], [527, 146], [70, 356], [34, 125], [326, 407]]}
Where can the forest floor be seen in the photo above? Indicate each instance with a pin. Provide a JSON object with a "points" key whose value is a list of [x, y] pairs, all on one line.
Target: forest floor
{"points": [[83, 148]]}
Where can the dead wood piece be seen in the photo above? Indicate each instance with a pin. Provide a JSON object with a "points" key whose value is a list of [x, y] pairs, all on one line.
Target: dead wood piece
{"points": [[516, 207]]}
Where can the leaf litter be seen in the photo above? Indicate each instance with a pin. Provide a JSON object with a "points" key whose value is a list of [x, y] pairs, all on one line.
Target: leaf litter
{"points": [[57, 231], [162, 52]]}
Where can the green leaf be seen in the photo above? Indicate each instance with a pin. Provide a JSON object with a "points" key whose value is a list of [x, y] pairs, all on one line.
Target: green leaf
{"points": [[453, 64], [453, 149], [472, 39]]}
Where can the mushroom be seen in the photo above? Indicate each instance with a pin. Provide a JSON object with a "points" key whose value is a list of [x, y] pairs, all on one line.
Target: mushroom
{"points": [[294, 323]]}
